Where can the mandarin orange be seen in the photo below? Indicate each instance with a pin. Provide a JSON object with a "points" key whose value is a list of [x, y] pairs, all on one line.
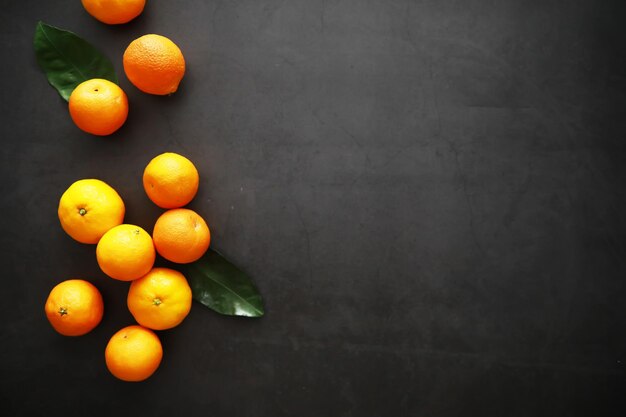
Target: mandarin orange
{"points": [[98, 106], [133, 353], [74, 307], [88, 209], [181, 235], [154, 64], [160, 300], [125, 252], [170, 180]]}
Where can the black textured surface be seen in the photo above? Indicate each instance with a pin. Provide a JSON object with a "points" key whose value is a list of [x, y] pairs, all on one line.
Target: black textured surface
{"points": [[429, 194]]}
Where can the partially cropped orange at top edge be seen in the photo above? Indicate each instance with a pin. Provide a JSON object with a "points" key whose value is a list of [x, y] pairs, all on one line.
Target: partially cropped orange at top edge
{"points": [[114, 12]]}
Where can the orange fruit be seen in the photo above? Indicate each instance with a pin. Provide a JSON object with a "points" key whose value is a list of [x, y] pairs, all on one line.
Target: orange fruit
{"points": [[160, 300], [125, 252], [114, 12], [98, 106], [170, 180], [181, 235], [154, 64], [133, 353], [74, 307], [88, 209]]}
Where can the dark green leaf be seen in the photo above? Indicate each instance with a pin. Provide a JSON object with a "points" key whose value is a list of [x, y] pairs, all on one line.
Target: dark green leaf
{"points": [[222, 287], [69, 60]]}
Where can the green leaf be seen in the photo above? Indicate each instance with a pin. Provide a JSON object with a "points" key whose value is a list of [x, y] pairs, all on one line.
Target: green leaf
{"points": [[221, 286], [68, 60]]}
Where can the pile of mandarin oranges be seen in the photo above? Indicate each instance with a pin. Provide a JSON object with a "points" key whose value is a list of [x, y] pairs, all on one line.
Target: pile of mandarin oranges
{"points": [[92, 212]]}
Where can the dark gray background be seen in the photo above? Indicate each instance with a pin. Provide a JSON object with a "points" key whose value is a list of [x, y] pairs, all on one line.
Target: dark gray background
{"points": [[429, 195]]}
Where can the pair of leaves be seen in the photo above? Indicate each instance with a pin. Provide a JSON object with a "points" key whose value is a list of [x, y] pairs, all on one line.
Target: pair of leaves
{"points": [[67, 61]]}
